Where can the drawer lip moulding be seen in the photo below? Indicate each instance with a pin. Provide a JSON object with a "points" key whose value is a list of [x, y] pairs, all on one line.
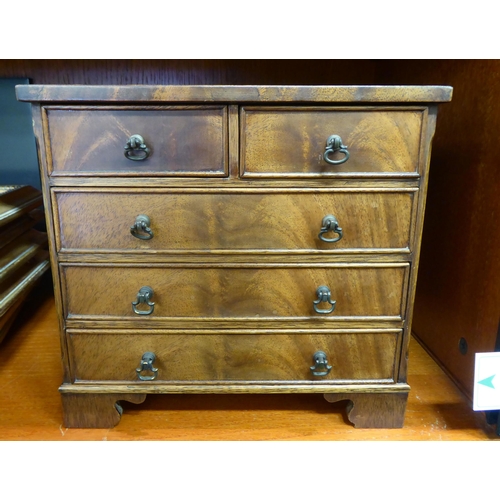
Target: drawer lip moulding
{"points": [[211, 359], [293, 142], [194, 221], [244, 292], [179, 141]]}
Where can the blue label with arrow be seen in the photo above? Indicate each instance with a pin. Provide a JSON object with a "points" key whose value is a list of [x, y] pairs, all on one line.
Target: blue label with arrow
{"points": [[486, 388]]}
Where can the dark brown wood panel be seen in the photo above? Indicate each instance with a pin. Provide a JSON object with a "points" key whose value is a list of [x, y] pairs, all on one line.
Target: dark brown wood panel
{"points": [[241, 220], [358, 357], [191, 71], [238, 292], [182, 141], [381, 411], [458, 292], [293, 141]]}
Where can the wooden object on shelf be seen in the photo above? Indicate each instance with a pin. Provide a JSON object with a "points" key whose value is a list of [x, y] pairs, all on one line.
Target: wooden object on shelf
{"points": [[23, 249], [209, 263]]}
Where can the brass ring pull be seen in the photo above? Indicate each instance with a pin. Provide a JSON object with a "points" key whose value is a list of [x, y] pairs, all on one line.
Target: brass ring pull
{"points": [[135, 145], [334, 145], [330, 223], [141, 225], [147, 361], [320, 363], [144, 296], [324, 295]]}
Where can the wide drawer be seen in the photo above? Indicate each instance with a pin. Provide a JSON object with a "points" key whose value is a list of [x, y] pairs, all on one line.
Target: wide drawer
{"points": [[239, 292], [359, 357], [205, 222], [181, 141], [293, 141]]}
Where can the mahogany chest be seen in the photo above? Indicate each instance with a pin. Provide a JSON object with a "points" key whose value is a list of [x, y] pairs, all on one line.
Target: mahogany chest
{"points": [[234, 239]]}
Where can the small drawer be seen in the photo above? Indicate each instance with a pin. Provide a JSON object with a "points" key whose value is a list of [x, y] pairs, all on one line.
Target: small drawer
{"points": [[360, 357], [294, 142], [243, 292], [200, 222], [173, 141]]}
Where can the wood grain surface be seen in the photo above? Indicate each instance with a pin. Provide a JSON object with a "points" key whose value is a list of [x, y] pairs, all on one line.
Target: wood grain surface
{"points": [[241, 220], [191, 71], [19, 252], [182, 140], [374, 411], [220, 293], [292, 141], [31, 410], [8, 317], [11, 231], [16, 201], [101, 411], [242, 93], [256, 295], [18, 283], [362, 357]]}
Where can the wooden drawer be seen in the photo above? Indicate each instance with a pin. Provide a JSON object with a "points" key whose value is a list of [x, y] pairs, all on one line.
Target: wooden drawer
{"points": [[292, 141], [182, 140], [359, 357], [205, 222], [234, 292]]}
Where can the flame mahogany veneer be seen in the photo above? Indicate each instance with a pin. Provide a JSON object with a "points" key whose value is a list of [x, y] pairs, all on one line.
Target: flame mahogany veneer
{"points": [[234, 239]]}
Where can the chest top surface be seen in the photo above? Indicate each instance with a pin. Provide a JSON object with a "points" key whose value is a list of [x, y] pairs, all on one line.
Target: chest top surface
{"points": [[240, 93]]}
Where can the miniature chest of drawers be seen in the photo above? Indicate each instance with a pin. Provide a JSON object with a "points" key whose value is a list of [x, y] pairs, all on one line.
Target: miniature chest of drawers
{"points": [[234, 239]]}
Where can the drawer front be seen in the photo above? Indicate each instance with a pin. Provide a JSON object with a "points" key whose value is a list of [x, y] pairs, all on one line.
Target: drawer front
{"points": [[243, 292], [360, 357], [181, 141], [280, 142], [235, 221]]}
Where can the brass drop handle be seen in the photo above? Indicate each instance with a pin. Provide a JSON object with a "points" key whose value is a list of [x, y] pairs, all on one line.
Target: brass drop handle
{"points": [[144, 296], [330, 223], [320, 363], [141, 226], [148, 358], [136, 149], [334, 145], [324, 295]]}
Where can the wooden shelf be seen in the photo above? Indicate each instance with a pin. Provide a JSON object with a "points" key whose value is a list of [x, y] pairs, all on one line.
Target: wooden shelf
{"points": [[23, 250]]}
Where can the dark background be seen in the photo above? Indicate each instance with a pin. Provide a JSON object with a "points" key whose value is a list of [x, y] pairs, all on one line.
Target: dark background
{"points": [[18, 159]]}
